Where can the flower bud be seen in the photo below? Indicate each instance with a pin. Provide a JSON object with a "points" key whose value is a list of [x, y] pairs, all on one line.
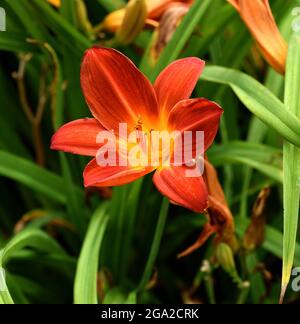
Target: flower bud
{"points": [[225, 258], [82, 18], [133, 22], [113, 21], [55, 3]]}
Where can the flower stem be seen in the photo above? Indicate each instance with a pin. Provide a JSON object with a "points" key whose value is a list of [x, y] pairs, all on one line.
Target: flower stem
{"points": [[155, 244]]}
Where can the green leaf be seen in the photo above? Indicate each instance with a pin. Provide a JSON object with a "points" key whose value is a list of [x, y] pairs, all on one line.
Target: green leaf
{"points": [[265, 159], [33, 176], [67, 33], [209, 32], [112, 5], [291, 163], [132, 204], [16, 42], [34, 27], [5, 297], [259, 100], [118, 296], [67, 9], [116, 229], [75, 204], [155, 244], [29, 238], [256, 133], [85, 286]]}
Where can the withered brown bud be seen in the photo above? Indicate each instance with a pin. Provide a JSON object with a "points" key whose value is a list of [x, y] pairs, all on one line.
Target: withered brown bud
{"points": [[255, 233], [168, 24]]}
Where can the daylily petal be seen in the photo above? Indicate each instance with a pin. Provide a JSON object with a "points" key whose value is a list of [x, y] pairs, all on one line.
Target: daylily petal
{"points": [[206, 233], [258, 16], [196, 115], [189, 192], [220, 218], [116, 91], [219, 212], [109, 176], [78, 137], [177, 82]]}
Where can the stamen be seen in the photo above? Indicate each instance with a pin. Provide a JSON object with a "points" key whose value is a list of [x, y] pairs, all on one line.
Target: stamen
{"points": [[139, 125]]}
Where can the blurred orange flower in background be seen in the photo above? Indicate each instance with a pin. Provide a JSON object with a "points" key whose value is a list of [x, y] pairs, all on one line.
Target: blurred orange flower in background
{"points": [[258, 17]]}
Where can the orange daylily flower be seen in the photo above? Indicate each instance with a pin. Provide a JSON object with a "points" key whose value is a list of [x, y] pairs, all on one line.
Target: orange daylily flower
{"points": [[258, 17], [155, 8], [117, 93]]}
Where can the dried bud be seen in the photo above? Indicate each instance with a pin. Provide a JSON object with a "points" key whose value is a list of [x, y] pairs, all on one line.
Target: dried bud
{"points": [[133, 22], [255, 233], [168, 24]]}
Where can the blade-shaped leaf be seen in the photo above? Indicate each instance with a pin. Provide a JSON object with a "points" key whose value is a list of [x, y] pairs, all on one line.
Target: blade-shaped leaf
{"points": [[265, 159], [29, 238], [33, 176], [85, 286], [291, 164], [259, 100]]}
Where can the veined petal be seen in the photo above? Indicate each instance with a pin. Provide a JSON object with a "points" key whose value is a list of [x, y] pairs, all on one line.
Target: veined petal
{"points": [[258, 17], [196, 115], [110, 176], [206, 233], [78, 137], [116, 91], [189, 192], [177, 82]]}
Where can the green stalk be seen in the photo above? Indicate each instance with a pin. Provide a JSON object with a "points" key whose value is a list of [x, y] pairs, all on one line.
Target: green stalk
{"points": [[155, 244]]}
